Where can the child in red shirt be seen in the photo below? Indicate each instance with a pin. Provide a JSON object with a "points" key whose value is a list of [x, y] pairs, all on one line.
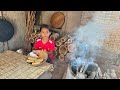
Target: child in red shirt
{"points": [[44, 43]]}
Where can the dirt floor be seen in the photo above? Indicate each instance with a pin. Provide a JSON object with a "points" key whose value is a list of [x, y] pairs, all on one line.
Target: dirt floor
{"points": [[59, 69]]}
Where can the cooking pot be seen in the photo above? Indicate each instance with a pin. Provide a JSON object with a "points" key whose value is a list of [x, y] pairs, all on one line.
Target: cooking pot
{"points": [[6, 30]]}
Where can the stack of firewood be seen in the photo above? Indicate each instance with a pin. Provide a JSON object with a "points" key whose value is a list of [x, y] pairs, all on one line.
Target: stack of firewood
{"points": [[63, 45]]}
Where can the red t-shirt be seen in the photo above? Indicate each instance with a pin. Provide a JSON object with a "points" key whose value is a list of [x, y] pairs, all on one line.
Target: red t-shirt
{"points": [[48, 46]]}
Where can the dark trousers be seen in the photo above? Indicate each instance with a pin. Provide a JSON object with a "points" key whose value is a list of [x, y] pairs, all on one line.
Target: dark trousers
{"points": [[48, 60]]}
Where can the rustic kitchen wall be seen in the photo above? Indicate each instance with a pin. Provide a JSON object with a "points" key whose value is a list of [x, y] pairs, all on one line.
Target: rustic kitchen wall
{"points": [[72, 19], [17, 19]]}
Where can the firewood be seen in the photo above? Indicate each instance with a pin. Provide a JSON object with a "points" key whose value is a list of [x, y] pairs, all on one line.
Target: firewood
{"points": [[99, 73], [61, 57], [58, 43], [71, 47], [52, 37], [69, 41], [56, 35], [92, 76], [113, 74], [64, 38], [63, 50], [80, 76], [66, 44]]}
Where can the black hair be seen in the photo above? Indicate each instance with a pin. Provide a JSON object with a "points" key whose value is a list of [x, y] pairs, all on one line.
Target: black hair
{"points": [[45, 26]]}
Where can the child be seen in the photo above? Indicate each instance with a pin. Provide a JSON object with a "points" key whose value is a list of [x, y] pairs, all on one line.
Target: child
{"points": [[44, 43]]}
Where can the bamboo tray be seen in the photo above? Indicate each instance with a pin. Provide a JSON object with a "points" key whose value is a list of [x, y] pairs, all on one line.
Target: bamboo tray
{"points": [[14, 66]]}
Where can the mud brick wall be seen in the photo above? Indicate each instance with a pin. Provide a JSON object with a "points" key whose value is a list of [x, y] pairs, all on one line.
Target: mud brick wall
{"points": [[17, 19]]}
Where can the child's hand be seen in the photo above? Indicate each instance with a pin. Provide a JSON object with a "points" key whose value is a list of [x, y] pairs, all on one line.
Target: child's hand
{"points": [[34, 51]]}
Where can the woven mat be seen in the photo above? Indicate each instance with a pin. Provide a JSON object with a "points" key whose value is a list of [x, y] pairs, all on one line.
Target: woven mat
{"points": [[14, 66]]}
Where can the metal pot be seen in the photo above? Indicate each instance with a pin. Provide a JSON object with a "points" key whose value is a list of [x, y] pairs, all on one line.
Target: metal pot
{"points": [[6, 30]]}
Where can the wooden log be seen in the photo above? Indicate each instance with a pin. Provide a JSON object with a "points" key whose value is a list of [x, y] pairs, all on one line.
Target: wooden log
{"points": [[113, 74], [61, 57], [69, 40], [54, 36], [71, 47], [66, 44], [69, 36], [99, 73], [64, 38], [80, 75], [57, 34], [58, 43], [63, 50]]}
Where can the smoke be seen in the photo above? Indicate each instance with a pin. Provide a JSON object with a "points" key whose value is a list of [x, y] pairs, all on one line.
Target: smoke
{"points": [[88, 39], [85, 38]]}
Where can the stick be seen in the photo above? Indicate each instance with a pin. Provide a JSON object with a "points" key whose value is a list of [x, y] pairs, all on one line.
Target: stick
{"points": [[61, 57], [63, 50]]}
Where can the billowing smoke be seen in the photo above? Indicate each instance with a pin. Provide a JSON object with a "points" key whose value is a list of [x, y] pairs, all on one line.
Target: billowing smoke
{"points": [[85, 38]]}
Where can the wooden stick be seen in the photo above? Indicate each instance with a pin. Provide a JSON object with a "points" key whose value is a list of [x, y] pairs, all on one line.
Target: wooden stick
{"points": [[71, 48], [56, 35], [58, 43], [63, 39], [66, 44], [69, 41], [63, 50], [61, 57], [52, 37]]}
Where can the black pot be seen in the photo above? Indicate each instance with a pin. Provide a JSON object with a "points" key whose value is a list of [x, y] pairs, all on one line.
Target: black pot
{"points": [[6, 30]]}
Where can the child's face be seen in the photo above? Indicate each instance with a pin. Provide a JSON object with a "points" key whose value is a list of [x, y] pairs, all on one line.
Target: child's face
{"points": [[45, 32]]}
